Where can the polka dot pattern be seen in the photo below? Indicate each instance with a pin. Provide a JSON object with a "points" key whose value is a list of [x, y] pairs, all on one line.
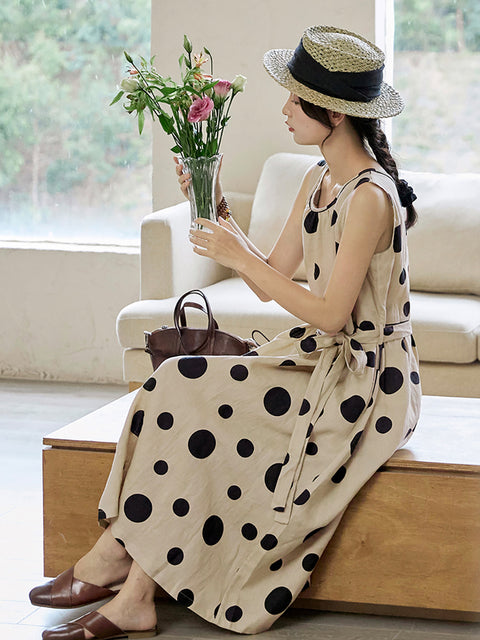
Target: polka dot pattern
{"points": [[278, 600], [239, 372], [212, 530], [150, 384], [137, 422], [192, 367], [137, 507], [391, 380], [311, 222], [352, 407], [165, 420], [277, 401], [202, 443]]}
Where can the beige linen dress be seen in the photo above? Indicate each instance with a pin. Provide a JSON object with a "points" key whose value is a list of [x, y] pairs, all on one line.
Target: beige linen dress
{"points": [[232, 473]]}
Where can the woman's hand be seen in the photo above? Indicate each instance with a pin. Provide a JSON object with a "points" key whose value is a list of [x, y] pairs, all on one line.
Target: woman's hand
{"points": [[221, 243], [184, 180]]}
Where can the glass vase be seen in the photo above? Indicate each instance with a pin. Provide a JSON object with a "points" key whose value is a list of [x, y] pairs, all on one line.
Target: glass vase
{"points": [[201, 190]]}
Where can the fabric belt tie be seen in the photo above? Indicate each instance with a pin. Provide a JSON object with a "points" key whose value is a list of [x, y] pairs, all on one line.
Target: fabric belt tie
{"points": [[337, 352]]}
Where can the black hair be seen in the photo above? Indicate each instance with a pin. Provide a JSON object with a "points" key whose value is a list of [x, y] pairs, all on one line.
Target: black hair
{"points": [[369, 131]]}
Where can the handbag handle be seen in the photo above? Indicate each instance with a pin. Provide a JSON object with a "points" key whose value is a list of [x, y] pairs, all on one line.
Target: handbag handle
{"points": [[180, 320]]}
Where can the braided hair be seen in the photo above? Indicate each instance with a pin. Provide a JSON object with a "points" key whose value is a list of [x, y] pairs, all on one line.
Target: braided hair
{"points": [[370, 132]]}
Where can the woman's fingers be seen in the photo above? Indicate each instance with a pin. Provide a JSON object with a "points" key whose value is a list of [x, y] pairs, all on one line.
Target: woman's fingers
{"points": [[184, 179]]}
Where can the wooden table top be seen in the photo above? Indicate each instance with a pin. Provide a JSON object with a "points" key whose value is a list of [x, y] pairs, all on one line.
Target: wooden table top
{"points": [[447, 436]]}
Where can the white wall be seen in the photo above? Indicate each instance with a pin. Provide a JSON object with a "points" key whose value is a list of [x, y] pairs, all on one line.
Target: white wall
{"points": [[58, 309], [238, 34]]}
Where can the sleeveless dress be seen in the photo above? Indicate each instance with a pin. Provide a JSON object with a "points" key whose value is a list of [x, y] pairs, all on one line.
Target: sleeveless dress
{"points": [[232, 473]]}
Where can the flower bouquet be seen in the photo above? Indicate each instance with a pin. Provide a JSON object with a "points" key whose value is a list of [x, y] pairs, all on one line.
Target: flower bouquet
{"points": [[199, 111]]}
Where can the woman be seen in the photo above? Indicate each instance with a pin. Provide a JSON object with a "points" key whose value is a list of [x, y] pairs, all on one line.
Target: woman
{"points": [[232, 473]]}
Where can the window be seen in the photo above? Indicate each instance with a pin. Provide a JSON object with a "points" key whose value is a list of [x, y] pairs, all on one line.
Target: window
{"points": [[437, 71], [71, 167]]}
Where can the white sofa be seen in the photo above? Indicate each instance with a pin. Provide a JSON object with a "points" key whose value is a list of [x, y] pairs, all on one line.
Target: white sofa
{"points": [[444, 271]]}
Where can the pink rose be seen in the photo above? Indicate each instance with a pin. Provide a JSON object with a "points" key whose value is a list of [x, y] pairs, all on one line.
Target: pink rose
{"points": [[222, 88], [200, 110]]}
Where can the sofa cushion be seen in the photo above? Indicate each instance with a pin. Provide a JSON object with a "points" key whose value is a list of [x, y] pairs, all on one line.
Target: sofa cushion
{"points": [[446, 327], [235, 307], [280, 180], [443, 245]]}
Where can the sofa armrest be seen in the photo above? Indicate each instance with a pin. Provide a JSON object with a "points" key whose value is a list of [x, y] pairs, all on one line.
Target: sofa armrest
{"points": [[169, 267]]}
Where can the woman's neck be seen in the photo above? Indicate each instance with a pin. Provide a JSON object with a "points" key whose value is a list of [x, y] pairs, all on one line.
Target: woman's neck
{"points": [[345, 155]]}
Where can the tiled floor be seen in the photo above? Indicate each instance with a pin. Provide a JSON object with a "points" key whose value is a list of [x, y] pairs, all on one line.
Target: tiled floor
{"points": [[31, 409]]}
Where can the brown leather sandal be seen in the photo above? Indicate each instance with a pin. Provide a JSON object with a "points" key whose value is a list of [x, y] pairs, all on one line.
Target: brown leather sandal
{"points": [[97, 624], [66, 592]]}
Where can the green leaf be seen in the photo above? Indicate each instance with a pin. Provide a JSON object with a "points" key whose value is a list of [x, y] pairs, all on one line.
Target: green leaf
{"points": [[166, 121], [187, 45], [116, 98], [176, 149], [141, 121], [128, 57], [180, 60]]}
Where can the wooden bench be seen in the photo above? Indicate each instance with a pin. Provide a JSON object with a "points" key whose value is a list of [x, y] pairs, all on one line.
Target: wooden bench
{"points": [[409, 543]]}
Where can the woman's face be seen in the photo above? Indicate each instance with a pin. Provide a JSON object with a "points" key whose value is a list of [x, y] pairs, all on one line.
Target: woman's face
{"points": [[305, 130]]}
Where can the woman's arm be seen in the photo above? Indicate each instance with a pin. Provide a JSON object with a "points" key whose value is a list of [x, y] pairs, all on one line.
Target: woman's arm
{"points": [[369, 217]]}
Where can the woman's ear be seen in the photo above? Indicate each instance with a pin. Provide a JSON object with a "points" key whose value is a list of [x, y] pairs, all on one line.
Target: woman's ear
{"points": [[335, 117]]}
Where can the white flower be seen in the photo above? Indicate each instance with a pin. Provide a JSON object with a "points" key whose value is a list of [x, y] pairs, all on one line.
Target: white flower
{"points": [[129, 85], [238, 83]]}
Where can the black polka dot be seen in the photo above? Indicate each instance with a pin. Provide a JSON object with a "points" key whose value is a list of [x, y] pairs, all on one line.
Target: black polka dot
{"points": [[185, 597], [233, 614], [175, 556], [406, 309], [383, 424], [311, 449], [397, 239], [312, 533], [137, 423], [404, 345], [311, 222], [101, 514], [362, 181], [334, 218], [297, 332], [277, 401], [366, 325], [305, 408], [371, 358], [225, 411], [216, 610], [391, 379], [388, 330], [120, 542], [336, 247], [370, 402], [309, 562], [160, 467], [137, 508], [308, 344], [201, 443], [245, 448], [249, 531], [275, 566], [310, 429], [150, 384], [414, 377], [356, 346], [316, 271], [234, 492], [403, 276], [212, 530], [302, 498], [278, 600], [339, 475], [271, 476], [181, 507], [268, 542], [192, 366], [414, 344], [287, 458], [165, 420], [287, 363], [239, 372], [352, 407], [355, 441], [250, 353]]}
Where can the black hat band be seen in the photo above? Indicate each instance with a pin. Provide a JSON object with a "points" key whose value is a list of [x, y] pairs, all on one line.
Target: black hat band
{"points": [[361, 86]]}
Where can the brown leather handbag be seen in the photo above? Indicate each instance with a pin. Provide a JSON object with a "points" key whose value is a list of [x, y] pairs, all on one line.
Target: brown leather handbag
{"points": [[183, 340]]}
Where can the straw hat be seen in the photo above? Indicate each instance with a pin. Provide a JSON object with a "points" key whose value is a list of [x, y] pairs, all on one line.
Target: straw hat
{"points": [[338, 70]]}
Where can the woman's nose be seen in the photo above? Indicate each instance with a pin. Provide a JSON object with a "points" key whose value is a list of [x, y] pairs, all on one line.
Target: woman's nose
{"points": [[284, 109]]}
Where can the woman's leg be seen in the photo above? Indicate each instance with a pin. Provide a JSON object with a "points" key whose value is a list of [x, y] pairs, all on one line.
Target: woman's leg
{"points": [[107, 562], [133, 608]]}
